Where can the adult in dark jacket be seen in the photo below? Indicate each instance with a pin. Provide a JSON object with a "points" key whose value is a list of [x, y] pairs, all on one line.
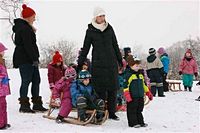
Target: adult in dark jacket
{"points": [[155, 72], [105, 59], [26, 58]]}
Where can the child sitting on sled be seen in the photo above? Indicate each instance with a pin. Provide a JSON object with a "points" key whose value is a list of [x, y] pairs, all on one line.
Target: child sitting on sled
{"points": [[61, 94], [84, 97], [134, 89]]}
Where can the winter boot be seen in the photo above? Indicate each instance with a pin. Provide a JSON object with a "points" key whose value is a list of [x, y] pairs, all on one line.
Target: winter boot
{"points": [[190, 89], [25, 105], [143, 125], [113, 117], [185, 88], [5, 127], [37, 104], [59, 119], [198, 99]]}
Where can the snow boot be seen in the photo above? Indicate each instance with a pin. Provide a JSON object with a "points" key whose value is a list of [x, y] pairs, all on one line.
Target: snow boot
{"points": [[144, 125], [59, 119], [198, 99], [190, 89], [37, 104], [185, 88], [25, 105], [5, 127], [113, 117]]}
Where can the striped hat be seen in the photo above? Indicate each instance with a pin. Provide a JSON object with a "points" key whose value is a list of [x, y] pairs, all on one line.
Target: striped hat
{"points": [[152, 51]]}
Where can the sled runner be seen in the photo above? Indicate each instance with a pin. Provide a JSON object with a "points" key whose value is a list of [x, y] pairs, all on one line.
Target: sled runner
{"points": [[146, 100]]}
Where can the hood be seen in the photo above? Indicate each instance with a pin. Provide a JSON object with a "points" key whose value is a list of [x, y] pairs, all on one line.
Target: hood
{"points": [[151, 58], [18, 24]]}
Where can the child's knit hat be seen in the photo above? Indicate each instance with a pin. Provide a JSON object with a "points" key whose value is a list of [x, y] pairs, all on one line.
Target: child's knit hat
{"points": [[2, 47], [84, 74], [57, 57], [70, 73]]}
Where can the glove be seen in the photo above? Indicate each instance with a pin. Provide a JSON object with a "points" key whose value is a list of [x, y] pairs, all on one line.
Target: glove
{"points": [[57, 101], [127, 96], [150, 96], [51, 86], [35, 63], [5, 80], [198, 83], [180, 72], [195, 74], [164, 74]]}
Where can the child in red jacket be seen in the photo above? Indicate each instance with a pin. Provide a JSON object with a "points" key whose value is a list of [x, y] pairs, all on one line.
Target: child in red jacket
{"points": [[56, 69]]}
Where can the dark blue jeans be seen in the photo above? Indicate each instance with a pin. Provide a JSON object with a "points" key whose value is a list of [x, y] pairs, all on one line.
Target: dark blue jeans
{"points": [[29, 74]]}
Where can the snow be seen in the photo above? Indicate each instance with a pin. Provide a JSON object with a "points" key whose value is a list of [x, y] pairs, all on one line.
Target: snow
{"points": [[177, 112]]}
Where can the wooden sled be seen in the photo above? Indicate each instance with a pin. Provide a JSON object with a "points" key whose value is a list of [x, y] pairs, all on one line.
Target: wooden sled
{"points": [[173, 84], [76, 120]]}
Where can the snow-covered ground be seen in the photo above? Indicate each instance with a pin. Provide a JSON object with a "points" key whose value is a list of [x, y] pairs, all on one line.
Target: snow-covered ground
{"points": [[177, 112]]}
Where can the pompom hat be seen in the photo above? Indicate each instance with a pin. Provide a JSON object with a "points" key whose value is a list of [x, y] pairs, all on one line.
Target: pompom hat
{"points": [[27, 11], [57, 58]]}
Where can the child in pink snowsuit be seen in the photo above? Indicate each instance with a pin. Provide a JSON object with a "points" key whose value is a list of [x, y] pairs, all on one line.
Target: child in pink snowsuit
{"points": [[61, 94], [4, 90]]}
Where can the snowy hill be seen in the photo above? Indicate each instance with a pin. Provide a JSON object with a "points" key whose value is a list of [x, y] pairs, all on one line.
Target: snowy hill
{"points": [[177, 112]]}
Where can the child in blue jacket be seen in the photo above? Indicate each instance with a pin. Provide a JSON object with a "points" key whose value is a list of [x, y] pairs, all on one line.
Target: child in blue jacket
{"points": [[84, 97]]}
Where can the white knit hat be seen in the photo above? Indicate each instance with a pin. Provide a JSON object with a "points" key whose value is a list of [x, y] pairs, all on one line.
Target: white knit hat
{"points": [[98, 11]]}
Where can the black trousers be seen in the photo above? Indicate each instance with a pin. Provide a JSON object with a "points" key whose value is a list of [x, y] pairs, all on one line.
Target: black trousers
{"points": [[134, 112], [165, 84], [29, 74], [111, 97]]}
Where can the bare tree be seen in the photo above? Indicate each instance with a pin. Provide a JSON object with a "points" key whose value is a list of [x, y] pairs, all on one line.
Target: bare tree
{"points": [[66, 48], [11, 9]]}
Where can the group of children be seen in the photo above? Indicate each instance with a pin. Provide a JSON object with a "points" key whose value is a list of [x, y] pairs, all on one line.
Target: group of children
{"points": [[68, 92], [70, 89]]}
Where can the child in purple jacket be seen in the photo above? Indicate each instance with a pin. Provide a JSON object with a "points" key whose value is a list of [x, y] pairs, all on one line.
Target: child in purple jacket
{"points": [[4, 90], [61, 94]]}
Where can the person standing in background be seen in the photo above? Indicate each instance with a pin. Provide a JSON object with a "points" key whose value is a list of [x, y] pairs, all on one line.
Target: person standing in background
{"points": [[26, 58], [165, 61]]}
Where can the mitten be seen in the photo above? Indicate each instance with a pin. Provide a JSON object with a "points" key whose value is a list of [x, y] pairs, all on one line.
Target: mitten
{"points": [[195, 74], [57, 101], [180, 72], [5, 80], [150, 96], [51, 85], [35, 63], [127, 96]]}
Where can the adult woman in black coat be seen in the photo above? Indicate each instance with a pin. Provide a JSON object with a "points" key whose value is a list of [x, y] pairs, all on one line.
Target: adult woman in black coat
{"points": [[26, 58], [105, 59]]}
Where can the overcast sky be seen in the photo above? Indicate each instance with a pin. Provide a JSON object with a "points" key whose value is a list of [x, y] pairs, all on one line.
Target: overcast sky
{"points": [[145, 23]]}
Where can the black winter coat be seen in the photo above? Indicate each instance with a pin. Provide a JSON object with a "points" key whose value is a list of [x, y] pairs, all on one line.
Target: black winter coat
{"points": [[26, 50], [105, 57]]}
